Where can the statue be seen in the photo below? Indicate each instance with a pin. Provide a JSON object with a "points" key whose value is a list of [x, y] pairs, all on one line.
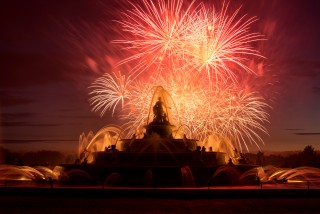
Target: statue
{"points": [[160, 123], [159, 115]]}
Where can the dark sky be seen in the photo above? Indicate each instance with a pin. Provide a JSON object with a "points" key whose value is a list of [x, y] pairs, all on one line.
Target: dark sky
{"points": [[44, 47]]}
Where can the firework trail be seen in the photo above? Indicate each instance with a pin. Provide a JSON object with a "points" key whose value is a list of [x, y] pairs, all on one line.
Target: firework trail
{"points": [[200, 109], [155, 33], [197, 55], [220, 44], [107, 91], [165, 35]]}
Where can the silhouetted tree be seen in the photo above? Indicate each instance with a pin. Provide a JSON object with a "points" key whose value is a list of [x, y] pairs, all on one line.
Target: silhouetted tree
{"points": [[43, 158], [70, 158], [276, 160], [308, 151], [5, 156], [308, 156], [260, 158]]}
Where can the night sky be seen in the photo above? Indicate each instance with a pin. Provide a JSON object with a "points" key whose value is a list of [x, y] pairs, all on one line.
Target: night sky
{"points": [[46, 48]]}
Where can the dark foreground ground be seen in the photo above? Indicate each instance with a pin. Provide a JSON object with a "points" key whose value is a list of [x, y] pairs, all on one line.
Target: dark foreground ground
{"points": [[193, 200], [45, 205]]}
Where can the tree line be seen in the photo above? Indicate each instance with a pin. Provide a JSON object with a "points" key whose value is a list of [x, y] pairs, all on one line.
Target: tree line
{"points": [[33, 158], [307, 157]]}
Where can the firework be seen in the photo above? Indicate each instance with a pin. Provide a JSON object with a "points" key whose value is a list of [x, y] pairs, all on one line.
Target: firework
{"points": [[200, 110], [220, 44], [186, 49], [155, 33], [108, 91], [165, 35]]}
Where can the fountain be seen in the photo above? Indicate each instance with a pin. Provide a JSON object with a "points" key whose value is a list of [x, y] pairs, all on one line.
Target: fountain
{"points": [[158, 155], [161, 155]]}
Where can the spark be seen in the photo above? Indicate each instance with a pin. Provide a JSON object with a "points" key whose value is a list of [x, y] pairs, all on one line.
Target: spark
{"points": [[220, 43], [155, 31], [187, 49], [108, 91], [202, 111], [167, 35]]}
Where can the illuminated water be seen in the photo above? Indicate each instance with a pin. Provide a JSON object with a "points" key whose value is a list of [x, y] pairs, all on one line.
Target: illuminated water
{"points": [[166, 155], [269, 176]]}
